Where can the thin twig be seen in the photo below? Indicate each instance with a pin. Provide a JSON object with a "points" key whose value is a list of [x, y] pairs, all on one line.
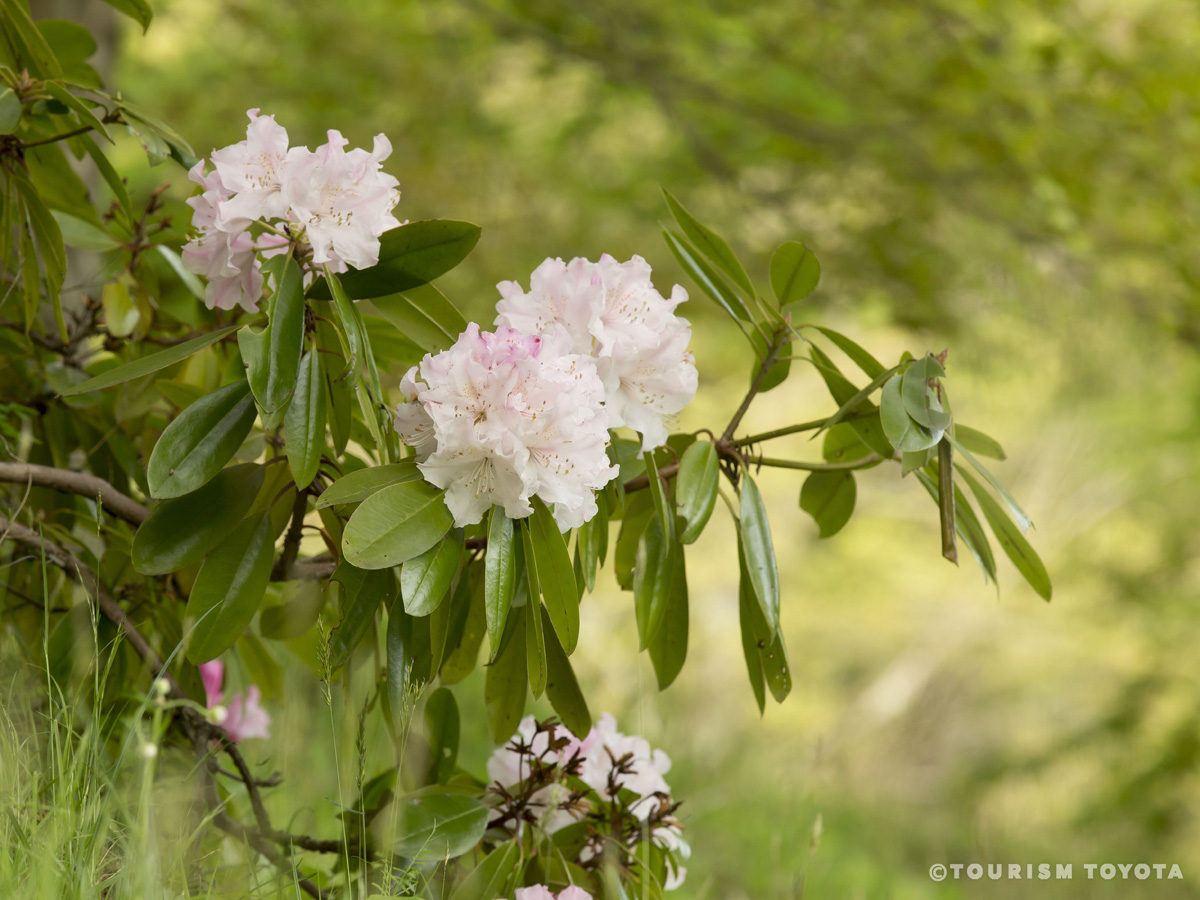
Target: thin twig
{"points": [[91, 486]]}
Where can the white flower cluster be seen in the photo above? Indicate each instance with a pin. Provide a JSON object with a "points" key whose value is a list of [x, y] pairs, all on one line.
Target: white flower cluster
{"points": [[608, 762], [338, 202], [500, 418]]}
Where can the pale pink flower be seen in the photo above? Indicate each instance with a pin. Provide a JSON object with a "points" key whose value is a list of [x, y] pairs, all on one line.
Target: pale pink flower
{"points": [[244, 717], [410, 419], [644, 767], [252, 170], [535, 892], [343, 200], [226, 258], [613, 313]]}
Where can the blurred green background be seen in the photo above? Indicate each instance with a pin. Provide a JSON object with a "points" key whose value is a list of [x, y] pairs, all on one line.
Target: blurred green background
{"points": [[1014, 181]]}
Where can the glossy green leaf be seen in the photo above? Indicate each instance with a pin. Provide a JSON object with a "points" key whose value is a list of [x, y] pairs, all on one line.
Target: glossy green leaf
{"points": [[507, 681], [183, 530], [639, 510], [861, 358], [795, 272], [10, 111], [755, 532], [668, 649], [491, 878], [82, 111], [425, 580], [138, 10], [708, 280], [442, 726], [395, 524], [201, 439], [362, 592], [766, 655], [303, 602], [750, 652], [409, 256], [304, 422], [439, 826], [562, 688], [696, 488], [555, 574], [462, 655], [843, 391], [27, 42], [229, 587], [360, 484], [829, 498], [1015, 508], [148, 364], [423, 315], [905, 435], [710, 244], [977, 442], [500, 575], [664, 511], [652, 581], [1011, 540], [285, 339], [920, 399]]}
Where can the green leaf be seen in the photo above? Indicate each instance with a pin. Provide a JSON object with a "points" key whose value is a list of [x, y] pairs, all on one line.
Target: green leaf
{"points": [[121, 314], [555, 574], [439, 826], [10, 111], [708, 280], [904, 434], [409, 256], [81, 234], [668, 649], [766, 656], [198, 443], [82, 111], [535, 646], [710, 244], [1019, 514], [156, 134], [663, 510], [425, 579], [114, 181], [696, 488], [148, 364], [463, 655], [920, 398], [285, 339], [362, 483], [1012, 541], [755, 534], [978, 442], [592, 542], [409, 658], [490, 879], [861, 358], [795, 272], [424, 316], [652, 581], [829, 498], [304, 422], [395, 524], [866, 426], [562, 688], [442, 723], [500, 573], [138, 10], [747, 606], [229, 587], [291, 619], [639, 510], [181, 531], [362, 593], [27, 41], [506, 683], [49, 243]]}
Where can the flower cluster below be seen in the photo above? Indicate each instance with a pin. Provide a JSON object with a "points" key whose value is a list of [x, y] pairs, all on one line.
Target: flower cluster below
{"points": [[551, 778], [336, 202]]}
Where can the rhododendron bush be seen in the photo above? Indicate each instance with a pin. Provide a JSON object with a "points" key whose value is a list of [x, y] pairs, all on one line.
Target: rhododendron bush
{"points": [[284, 365]]}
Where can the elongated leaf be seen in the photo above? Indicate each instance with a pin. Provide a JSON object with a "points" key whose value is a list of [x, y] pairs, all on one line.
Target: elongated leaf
{"points": [[652, 582], [138, 10], [755, 532], [668, 649], [198, 443], [843, 391], [462, 655], [562, 688], [82, 111], [490, 879], [696, 488], [856, 402], [710, 244], [795, 272], [863, 359], [708, 280], [829, 498], [1019, 514], [663, 509], [229, 587], [1011, 540], [183, 530], [409, 256], [109, 174], [424, 316], [425, 579], [395, 524], [500, 573], [148, 364], [362, 592], [285, 340], [555, 574], [304, 423], [362, 483], [81, 234], [304, 601], [506, 684], [966, 523], [23, 36], [439, 826], [442, 723], [978, 442], [769, 649], [746, 608], [10, 111]]}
